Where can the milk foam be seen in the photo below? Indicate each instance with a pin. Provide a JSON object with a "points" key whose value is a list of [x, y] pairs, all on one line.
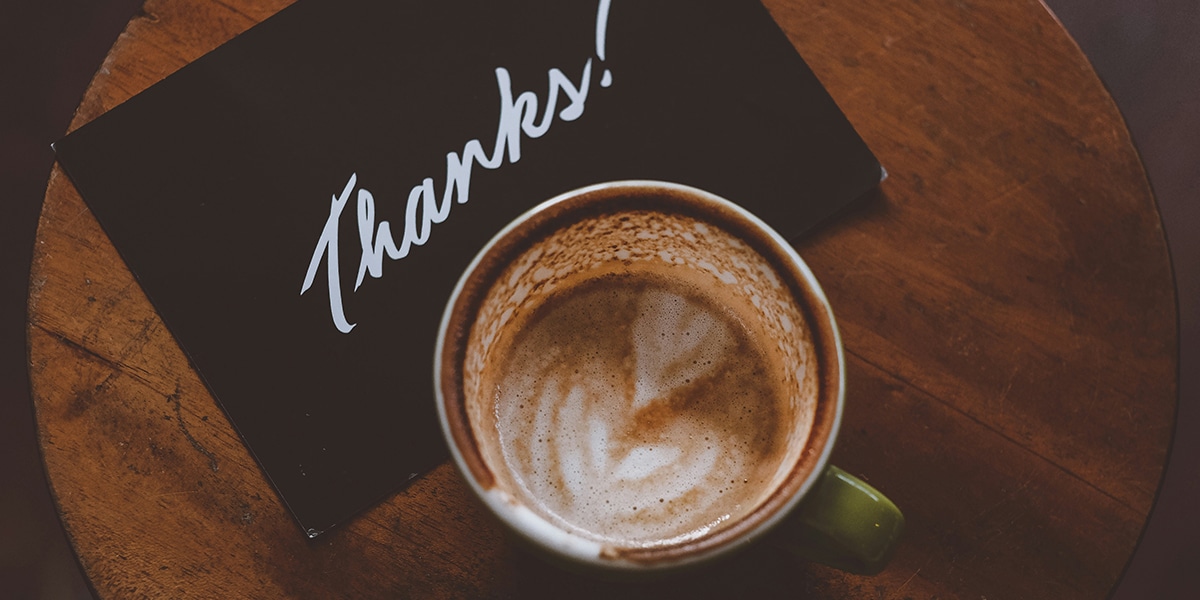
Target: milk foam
{"points": [[634, 411], [675, 341]]}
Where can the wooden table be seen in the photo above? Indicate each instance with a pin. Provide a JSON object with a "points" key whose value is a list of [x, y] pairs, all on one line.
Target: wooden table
{"points": [[1007, 305]]}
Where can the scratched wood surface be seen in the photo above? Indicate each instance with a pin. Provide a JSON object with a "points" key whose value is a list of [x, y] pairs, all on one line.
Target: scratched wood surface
{"points": [[1007, 306]]}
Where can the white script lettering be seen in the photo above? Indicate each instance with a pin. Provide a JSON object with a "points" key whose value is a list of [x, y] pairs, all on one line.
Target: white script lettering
{"points": [[424, 208]]}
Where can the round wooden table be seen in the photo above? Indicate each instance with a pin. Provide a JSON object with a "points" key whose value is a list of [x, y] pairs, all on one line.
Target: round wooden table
{"points": [[1007, 305]]}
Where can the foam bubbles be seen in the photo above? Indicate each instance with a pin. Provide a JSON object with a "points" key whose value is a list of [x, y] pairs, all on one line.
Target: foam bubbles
{"points": [[628, 407]]}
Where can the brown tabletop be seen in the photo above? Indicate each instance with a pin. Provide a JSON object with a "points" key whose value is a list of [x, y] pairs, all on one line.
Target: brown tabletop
{"points": [[1006, 302]]}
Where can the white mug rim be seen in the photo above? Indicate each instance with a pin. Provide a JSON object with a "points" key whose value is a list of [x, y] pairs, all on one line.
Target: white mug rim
{"points": [[567, 545]]}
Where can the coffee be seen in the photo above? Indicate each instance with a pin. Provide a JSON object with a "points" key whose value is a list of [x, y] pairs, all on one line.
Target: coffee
{"points": [[641, 378], [635, 409]]}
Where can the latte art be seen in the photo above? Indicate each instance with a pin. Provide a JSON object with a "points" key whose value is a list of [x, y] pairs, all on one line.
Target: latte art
{"points": [[634, 409], [632, 375], [639, 377]]}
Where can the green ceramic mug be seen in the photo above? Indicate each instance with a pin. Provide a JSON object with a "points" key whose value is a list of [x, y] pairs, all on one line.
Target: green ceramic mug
{"points": [[640, 376]]}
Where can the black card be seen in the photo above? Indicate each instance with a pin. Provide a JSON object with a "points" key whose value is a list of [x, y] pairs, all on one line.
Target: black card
{"points": [[284, 201]]}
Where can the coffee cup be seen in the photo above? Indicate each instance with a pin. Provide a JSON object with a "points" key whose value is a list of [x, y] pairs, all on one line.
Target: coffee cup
{"points": [[639, 376]]}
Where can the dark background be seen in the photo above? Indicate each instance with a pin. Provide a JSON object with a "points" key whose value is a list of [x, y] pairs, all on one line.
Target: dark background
{"points": [[1146, 51]]}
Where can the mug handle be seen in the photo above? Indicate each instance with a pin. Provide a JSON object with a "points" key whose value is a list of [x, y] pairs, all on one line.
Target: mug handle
{"points": [[844, 523]]}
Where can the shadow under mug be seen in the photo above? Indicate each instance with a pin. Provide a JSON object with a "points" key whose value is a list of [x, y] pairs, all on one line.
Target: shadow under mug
{"points": [[817, 511]]}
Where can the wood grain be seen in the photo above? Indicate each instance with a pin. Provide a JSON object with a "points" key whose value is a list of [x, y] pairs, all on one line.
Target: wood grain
{"points": [[1006, 303]]}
